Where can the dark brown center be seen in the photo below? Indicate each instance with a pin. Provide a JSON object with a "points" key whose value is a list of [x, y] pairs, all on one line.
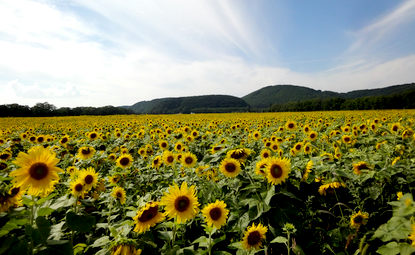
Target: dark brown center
{"points": [[312, 135], [3, 166], [149, 214], [64, 140], [189, 160], [89, 179], [254, 238], [215, 213], [230, 167], [4, 156], [276, 171], [85, 151], [362, 166], [38, 171], [181, 203], [124, 161], [298, 147], [170, 159], [40, 139], [14, 191], [78, 187], [291, 125], [358, 219], [163, 145], [119, 194]]}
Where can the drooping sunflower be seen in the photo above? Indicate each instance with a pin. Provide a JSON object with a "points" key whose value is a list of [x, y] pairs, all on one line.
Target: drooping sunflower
{"points": [[168, 157], [230, 167], [147, 217], [240, 154], [125, 249], [261, 167], [78, 188], [181, 203], [360, 166], [125, 161], [253, 236], [38, 172], [278, 170], [307, 171], [5, 155], [119, 194], [89, 177], [330, 187], [86, 152], [188, 159], [358, 219], [215, 214]]}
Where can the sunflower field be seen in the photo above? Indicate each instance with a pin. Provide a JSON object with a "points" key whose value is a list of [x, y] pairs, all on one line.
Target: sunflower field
{"points": [[245, 183]]}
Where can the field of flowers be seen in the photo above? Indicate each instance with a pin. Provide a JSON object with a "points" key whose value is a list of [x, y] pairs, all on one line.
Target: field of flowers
{"points": [[246, 183]]}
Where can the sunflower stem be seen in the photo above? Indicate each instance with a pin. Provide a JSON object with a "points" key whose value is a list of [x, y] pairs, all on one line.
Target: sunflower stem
{"points": [[174, 234], [252, 182], [337, 198], [210, 242]]}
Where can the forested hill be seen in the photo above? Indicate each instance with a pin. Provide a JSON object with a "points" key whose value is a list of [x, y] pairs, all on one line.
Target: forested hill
{"points": [[193, 104], [265, 98]]}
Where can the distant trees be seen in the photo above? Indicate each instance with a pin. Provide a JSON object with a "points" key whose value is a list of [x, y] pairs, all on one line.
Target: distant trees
{"points": [[45, 109], [397, 101]]}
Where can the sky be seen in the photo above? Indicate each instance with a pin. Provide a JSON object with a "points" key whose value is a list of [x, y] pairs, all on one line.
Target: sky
{"points": [[95, 53]]}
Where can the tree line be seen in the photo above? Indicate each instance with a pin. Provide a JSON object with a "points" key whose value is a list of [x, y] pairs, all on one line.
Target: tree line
{"points": [[403, 100], [46, 110]]}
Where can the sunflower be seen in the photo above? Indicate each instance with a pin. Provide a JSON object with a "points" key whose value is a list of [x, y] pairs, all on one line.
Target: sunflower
{"points": [[119, 194], [163, 144], [308, 169], [5, 155], [312, 135], [253, 236], [265, 153], [92, 135], [358, 219], [256, 135], [147, 217], [291, 125], [181, 203], [125, 161], [216, 148], [40, 139], [112, 156], [78, 188], [277, 170], [114, 179], [86, 152], [89, 177], [308, 148], [329, 187], [125, 249], [216, 214], [157, 162], [168, 157], [239, 154], [274, 146], [188, 159], [260, 167], [230, 167], [298, 146], [412, 235], [3, 165], [178, 146], [347, 139], [38, 172], [360, 166]]}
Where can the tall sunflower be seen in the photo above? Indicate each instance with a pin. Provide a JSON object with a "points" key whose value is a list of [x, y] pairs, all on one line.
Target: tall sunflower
{"points": [[119, 194], [230, 167], [216, 214], [125, 161], [278, 170], [78, 188], [181, 203], [168, 157], [358, 219], [147, 217], [189, 159], [86, 152], [38, 172], [253, 236], [89, 177]]}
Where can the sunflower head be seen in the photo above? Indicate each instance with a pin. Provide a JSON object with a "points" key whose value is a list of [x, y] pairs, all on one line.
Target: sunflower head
{"points": [[89, 178], [253, 237], [216, 214], [86, 152], [278, 170], [168, 157], [147, 217], [358, 219], [188, 159], [119, 194], [230, 167], [38, 172], [78, 188], [125, 161], [360, 166], [181, 203]]}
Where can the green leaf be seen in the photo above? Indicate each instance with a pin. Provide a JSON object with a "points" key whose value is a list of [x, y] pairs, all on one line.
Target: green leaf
{"points": [[391, 248], [63, 201], [203, 241], [280, 239], [270, 194], [43, 226], [79, 248], [11, 225], [80, 223], [101, 241], [45, 211]]}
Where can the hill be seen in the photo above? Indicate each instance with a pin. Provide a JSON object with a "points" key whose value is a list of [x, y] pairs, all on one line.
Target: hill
{"points": [[265, 97], [195, 104]]}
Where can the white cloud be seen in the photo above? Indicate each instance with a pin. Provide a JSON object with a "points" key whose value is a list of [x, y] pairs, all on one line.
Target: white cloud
{"points": [[48, 54]]}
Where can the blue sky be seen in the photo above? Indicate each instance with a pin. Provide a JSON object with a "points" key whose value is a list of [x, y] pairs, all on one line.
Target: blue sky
{"points": [[80, 53]]}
